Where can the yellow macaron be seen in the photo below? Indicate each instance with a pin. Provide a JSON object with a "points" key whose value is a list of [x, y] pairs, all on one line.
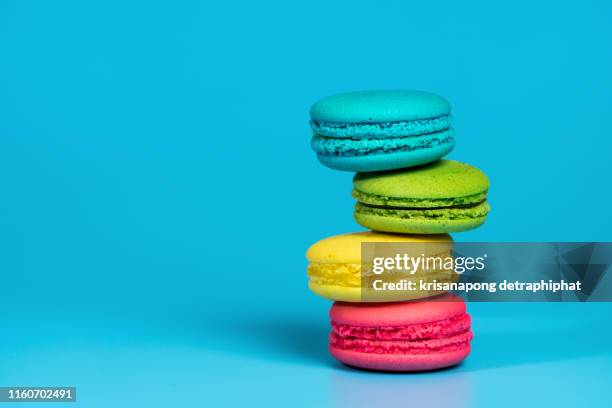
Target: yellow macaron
{"points": [[335, 266]]}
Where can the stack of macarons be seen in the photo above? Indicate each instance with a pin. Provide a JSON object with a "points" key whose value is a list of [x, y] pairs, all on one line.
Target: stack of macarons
{"points": [[404, 192]]}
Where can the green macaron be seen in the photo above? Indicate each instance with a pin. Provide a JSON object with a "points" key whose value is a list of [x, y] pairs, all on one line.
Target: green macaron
{"points": [[445, 196]]}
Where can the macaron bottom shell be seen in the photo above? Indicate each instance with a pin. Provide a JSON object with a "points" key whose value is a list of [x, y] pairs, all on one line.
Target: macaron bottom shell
{"points": [[336, 292], [387, 161], [400, 362], [356, 294]]}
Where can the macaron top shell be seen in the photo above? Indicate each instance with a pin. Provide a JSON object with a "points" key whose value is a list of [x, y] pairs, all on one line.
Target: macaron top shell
{"points": [[379, 106], [399, 313], [440, 180], [346, 248]]}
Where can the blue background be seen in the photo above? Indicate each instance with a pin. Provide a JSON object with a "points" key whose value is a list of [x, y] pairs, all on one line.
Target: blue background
{"points": [[158, 192]]}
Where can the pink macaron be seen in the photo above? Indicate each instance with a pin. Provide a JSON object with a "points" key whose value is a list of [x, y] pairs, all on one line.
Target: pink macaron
{"points": [[402, 336]]}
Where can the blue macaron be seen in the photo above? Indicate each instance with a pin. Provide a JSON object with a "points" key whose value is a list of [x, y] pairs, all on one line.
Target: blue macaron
{"points": [[381, 130]]}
